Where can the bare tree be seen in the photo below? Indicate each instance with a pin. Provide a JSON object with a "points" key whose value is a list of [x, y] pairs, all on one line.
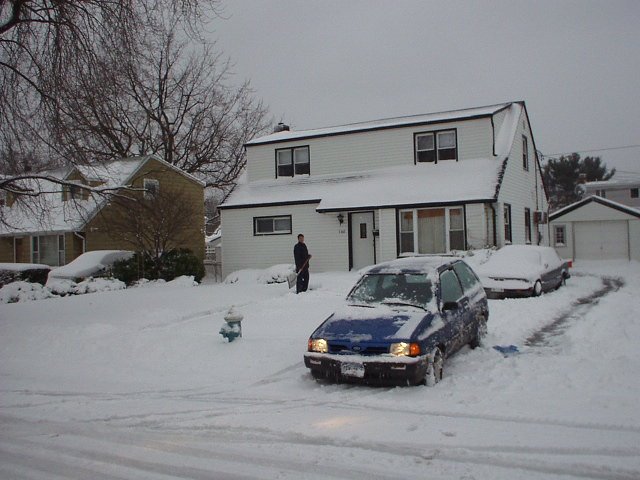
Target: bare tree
{"points": [[174, 100], [41, 39]]}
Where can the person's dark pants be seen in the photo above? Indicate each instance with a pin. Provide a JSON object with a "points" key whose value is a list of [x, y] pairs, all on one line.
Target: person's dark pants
{"points": [[302, 283]]}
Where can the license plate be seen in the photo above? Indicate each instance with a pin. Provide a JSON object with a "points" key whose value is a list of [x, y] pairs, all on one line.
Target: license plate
{"points": [[352, 370]]}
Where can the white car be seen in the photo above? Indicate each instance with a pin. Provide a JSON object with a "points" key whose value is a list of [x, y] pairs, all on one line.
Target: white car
{"points": [[90, 264], [522, 271]]}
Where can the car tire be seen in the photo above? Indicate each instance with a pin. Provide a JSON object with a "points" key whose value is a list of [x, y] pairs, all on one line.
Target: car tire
{"points": [[435, 370], [537, 289], [481, 332]]}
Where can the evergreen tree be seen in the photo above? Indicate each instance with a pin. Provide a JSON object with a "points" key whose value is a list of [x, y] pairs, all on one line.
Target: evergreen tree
{"points": [[563, 175]]}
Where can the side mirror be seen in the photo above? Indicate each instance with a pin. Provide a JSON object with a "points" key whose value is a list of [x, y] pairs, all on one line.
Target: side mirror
{"points": [[450, 306]]}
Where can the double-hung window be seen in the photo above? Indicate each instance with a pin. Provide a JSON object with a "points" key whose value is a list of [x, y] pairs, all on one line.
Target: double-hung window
{"points": [[436, 146], [525, 153], [634, 193], [527, 225], [507, 223], [559, 235], [280, 225], [292, 161]]}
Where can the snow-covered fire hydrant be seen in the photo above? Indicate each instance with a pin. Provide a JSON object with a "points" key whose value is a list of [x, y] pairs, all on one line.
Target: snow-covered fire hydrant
{"points": [[232, 329]]}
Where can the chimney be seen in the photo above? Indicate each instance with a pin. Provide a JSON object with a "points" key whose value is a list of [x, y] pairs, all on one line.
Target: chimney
{"points": [[281, 127]]}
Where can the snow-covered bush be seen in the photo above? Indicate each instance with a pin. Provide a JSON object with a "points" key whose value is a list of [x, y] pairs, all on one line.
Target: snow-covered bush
{"points": [[23, 291], [27, 272], [63, 287], [274, 274]]}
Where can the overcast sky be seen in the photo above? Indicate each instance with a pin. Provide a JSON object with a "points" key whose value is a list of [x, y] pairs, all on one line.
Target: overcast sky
{"points": [[576, 64]]}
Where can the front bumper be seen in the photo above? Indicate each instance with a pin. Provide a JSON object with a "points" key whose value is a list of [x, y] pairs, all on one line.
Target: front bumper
{"points": [[367, 370], [507, 288]]}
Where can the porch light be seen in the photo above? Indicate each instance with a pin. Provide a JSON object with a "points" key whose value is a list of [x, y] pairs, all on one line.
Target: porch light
{"points": [[341, 218]]}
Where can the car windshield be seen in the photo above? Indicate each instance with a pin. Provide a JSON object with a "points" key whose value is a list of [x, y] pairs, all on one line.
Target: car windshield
{"points": [[397, 289]]}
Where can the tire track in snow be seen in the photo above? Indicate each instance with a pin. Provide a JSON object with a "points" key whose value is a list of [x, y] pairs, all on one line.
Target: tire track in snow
{"points": [[578, 308]]}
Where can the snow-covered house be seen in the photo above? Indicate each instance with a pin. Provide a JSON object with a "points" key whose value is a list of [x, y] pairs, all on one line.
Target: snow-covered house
{"points": [[57, 226], [368, 192], [623, 188], [596, 228]]}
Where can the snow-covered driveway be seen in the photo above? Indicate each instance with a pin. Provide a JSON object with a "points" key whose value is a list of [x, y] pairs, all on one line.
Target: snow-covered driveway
{"points": [[139, 384]]}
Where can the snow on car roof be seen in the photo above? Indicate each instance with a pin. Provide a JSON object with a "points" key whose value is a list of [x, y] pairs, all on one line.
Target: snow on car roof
{"points": [[417, 264]]}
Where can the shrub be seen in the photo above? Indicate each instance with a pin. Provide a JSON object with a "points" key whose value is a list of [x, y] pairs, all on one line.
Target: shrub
{"points": [[31, 275], [172, 264], [177, 263]]}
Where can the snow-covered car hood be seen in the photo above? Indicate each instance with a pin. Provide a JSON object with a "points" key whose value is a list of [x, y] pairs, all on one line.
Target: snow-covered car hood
{"points": [[377, 323]]}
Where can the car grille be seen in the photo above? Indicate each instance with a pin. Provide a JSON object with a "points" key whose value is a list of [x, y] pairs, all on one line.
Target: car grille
{"points": [[358, 349]]}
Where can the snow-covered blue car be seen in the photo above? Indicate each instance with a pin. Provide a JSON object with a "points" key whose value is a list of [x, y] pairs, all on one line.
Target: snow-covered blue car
{"points": [[400, 322]]}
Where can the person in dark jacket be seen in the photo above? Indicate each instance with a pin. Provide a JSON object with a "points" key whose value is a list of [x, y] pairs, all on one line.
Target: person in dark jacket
{"points": [[301, 256]]}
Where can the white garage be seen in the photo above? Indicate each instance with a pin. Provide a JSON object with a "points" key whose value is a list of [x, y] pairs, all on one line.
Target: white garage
{"points": [[596, 229]]}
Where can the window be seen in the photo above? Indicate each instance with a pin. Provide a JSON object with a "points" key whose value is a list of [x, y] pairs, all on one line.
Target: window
{"points": [[292, 161], [151, 188], [559, 235], [406, 231], [456, 229], [601, 193], [450, 289], [527, 225], [431, 230], [633, 192], [48, 249], [507, 223], [272, 225], [525, 153], [436, 146], [468, 279]]}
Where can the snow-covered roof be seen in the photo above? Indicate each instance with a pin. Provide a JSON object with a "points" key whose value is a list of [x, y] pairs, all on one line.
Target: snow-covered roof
{"points": [[49, 213], [464, 181], [396, 122], [620, 180], [594, 198]]}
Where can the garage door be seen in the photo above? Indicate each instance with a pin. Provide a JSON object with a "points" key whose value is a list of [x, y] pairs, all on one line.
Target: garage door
{"points": [[601, 240]]}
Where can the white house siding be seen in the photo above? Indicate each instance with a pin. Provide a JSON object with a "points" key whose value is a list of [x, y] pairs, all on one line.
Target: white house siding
{"points": [[476, 223], [620, 195], [387, 241], [326, 240], [590, 214], [516, 181], [365, 151], [498, 119], [634, 239]]}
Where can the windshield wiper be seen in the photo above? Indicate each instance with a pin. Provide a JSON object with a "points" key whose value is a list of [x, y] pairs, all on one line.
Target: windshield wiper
{"points": [[361, 305], [406, 304]]}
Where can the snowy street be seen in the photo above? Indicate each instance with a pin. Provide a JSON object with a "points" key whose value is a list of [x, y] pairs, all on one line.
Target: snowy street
{"points": [[139, 384]]}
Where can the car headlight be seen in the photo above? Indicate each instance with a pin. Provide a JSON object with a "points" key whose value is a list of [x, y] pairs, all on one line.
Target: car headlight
{"points": [[319, 345], [403, 349]]}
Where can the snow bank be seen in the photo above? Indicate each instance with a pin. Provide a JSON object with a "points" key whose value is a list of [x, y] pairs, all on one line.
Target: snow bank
{"points": [[274, 274]]}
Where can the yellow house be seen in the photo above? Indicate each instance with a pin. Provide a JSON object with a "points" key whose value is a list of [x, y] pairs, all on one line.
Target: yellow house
{"points": [[86, 213]]}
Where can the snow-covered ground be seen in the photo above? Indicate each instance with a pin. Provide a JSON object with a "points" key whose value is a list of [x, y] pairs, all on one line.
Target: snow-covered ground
{"points": [[138, 383]]}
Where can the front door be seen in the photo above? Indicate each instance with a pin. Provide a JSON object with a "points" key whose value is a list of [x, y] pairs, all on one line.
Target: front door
{"points": [[361, 240]]}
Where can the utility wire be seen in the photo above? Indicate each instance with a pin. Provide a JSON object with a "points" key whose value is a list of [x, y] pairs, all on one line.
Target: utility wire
{"points": [[594, 150]]}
